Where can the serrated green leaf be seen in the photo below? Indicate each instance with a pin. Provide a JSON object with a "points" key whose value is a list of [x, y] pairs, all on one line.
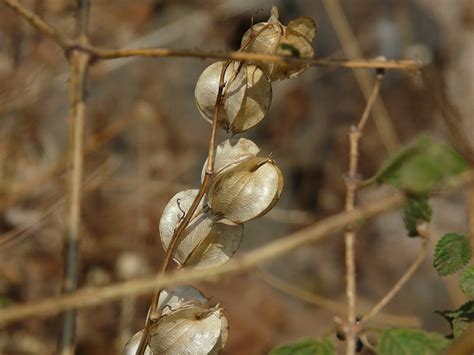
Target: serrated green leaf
{"points": [[400, 341], [452, 252], [459, 326], [421, 166], [466, 281], [305, 346], [459, 318], [416, 209]]}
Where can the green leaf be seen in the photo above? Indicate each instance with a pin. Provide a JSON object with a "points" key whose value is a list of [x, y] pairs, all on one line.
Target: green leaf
{"points": [[421, 166], [460, 318], [459, 326], [416, 209], [451, 253], [466, 281], [399, 341], [305, 346]]}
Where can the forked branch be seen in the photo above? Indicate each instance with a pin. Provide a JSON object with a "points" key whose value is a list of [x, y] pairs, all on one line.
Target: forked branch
{"points": [[98, 54]]}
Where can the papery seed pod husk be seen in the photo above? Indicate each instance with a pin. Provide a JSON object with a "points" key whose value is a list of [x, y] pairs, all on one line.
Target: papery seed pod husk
{"points": [[193, 330], [174, 298], [231, 152], [222, 340], [247, 190], [272, 37], [132, 345], [218, 246], [199, 227], [247, 95]]}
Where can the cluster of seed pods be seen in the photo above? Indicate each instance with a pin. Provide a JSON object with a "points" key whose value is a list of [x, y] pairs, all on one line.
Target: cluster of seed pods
{"points": [[244, 186]]}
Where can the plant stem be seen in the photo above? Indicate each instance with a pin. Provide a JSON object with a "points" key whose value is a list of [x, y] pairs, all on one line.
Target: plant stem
{"points": [[93, 296], [107, 54], [88, 297], [349, 235], [403, 280], [154, 315], [38, 23], [336, 307], [79, 62]]}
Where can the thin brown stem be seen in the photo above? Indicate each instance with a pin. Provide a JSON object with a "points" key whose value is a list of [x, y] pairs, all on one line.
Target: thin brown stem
{"points": [[104, 54], [38, 23], [349, 235], [338, 308], [400, 283], [96, 53], [154, 315], [79, 62], [94, 296]]}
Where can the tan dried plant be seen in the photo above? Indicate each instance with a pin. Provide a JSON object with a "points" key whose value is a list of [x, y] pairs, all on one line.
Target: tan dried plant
{"points": [[235, 95]]}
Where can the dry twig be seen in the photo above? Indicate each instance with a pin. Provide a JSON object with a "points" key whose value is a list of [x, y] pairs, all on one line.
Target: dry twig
{"points": [[400, 283], [39, 24], [97, 54], [94, 296], [349, 235], [338, 308], [79, 62]]}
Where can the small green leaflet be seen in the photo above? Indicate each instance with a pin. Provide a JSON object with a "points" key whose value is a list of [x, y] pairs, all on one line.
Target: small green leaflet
{"points": [[460, 318], [466, 281], [451, 253], [416, 209], [400, 341], [421, 166], [305, 346]]}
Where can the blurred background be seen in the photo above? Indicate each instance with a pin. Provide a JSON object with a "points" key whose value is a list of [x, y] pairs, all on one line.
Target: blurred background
{"points": [[146, 141]]}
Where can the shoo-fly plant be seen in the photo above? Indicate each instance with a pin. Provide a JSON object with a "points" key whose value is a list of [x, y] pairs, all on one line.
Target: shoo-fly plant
{"points": [[272, 37], [203, 228], [237, 185]]}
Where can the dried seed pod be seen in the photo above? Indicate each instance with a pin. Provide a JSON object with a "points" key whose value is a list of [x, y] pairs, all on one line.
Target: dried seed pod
{"points": [[132, 345], [174, 298], [246, 97], [199, 227], [231, 152], [247, 190], [218, 246], [205, 241], [272, 37], [191, 329], [222, 340]]}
